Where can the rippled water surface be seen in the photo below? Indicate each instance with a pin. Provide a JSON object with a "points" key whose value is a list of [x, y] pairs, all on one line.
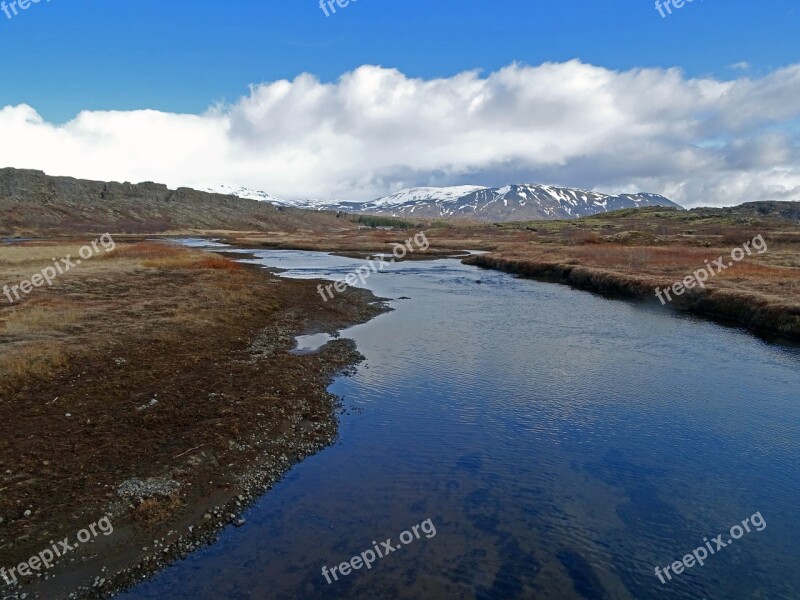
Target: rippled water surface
{"points": [[562, 444]]}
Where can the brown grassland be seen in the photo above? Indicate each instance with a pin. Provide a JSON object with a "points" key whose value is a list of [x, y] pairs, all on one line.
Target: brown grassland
{"points": [[82, 362]]}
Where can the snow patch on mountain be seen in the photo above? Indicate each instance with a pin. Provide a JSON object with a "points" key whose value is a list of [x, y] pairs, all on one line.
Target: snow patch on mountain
{"points": [[510, 202], [425, 194], [242, 192]]}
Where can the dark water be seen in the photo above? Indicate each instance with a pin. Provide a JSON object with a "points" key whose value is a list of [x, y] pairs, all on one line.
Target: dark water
{"points": [[562, 445]]}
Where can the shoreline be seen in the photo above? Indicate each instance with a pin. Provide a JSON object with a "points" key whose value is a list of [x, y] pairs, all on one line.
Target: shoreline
{"points": [[223, 454], [770, 322], [759, 306]]}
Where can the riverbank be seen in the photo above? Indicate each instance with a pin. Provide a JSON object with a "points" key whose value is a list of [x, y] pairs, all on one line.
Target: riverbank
{"points": [[625, 253], [763, 314], [153, 384]]}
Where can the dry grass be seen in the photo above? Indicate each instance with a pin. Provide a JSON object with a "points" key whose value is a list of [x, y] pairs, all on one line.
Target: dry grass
{"points": [[30, 362], [152, 511], [148, 250], [40, 252], [219, 263], [168, 256], [43, 330], [670, 259], [157, 255], [771, 273], [41, 319]]}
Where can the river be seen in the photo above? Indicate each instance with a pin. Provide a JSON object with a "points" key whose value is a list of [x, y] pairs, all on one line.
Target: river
{"points": [[561, 444]]}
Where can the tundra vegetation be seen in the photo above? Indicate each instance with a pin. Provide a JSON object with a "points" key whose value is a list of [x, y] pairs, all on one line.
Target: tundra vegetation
{"points": [[161, 364]]}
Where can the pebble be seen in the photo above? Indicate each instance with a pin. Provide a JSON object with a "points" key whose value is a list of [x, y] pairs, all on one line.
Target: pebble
{"points": [[139, 489]]}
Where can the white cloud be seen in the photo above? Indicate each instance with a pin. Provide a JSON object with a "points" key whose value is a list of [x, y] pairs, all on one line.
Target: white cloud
{"points": [[698, 141]]}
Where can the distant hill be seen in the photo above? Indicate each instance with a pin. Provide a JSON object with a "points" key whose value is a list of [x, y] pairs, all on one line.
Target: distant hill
{"points": [[32, 202], [510, 203], [769, 208]]}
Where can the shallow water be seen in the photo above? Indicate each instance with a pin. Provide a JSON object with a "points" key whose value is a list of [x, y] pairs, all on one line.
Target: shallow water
{"points": [[311, 343], [562, 445]]}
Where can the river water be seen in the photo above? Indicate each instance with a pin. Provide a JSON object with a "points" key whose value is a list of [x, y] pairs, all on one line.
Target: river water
{"points": [[562, 445]]}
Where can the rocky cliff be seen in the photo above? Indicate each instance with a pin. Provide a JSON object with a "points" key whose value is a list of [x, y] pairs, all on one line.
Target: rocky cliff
{"points": [[32, 202]]}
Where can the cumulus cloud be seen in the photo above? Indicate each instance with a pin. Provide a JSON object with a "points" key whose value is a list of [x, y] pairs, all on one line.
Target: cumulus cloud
{"points": [[700, 141]]}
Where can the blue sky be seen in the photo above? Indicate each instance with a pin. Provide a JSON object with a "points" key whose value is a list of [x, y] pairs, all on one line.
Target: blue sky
{"points": [[701, 106], [182, 56]]}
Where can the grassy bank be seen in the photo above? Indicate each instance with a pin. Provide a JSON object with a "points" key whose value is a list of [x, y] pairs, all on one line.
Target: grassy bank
{"points": [[732, 300], [634, 252]]}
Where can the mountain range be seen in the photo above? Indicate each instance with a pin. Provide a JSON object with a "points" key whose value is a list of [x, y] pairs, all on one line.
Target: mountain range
{"points": [[510, 203]]}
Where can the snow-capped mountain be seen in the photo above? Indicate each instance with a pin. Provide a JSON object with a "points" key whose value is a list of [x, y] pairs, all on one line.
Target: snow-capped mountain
{"points": [[242, 192], [422, 194], [250, 194], [529, 202], [509, 203]]}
